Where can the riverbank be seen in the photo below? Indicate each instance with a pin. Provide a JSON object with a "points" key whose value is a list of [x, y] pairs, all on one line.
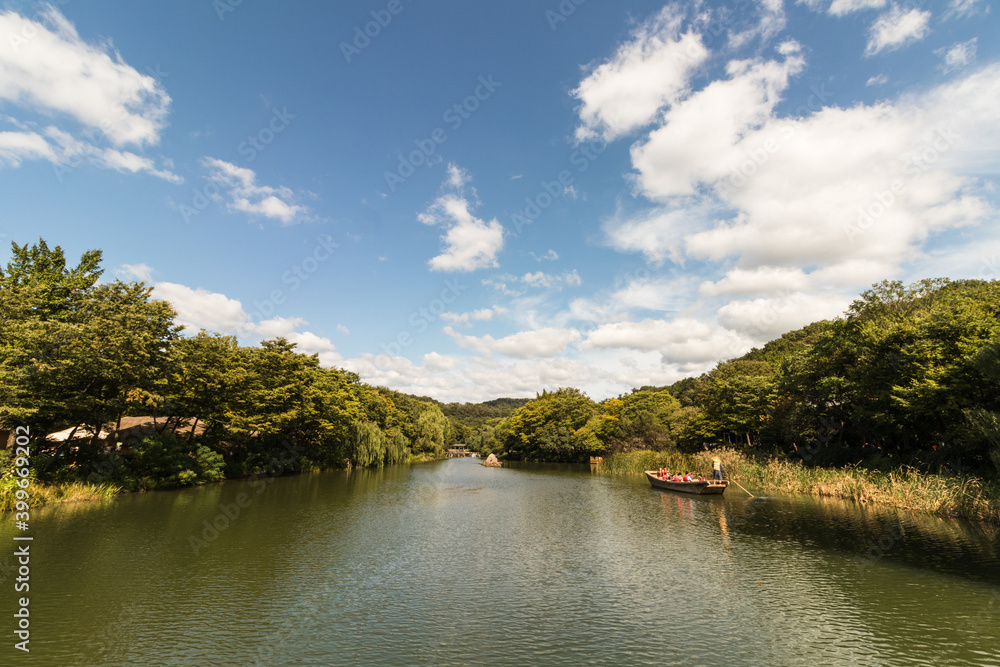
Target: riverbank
{"points": [[947, 495], [44, 494], [40, 493]]}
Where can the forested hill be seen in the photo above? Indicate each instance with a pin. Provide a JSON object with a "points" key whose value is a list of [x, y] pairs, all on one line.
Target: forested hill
{"points": [[910, 374]]}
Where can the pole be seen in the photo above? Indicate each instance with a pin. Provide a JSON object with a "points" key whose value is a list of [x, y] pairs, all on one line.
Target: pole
{"points": [[738, 484]]}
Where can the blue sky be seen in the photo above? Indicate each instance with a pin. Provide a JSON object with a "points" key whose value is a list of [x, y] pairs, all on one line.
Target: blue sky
{"points": [[473, 200]]}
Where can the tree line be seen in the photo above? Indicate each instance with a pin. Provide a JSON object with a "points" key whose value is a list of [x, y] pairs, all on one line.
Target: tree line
{"points": [[83, 354], [909, 375]]}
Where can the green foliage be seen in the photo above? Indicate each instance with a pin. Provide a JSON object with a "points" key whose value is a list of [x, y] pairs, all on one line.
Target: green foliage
{"points": [[167, 460], [73, 351], [549, 428]]}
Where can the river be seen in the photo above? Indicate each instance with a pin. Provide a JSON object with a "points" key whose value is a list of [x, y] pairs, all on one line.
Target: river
{"points": [[451, 563]]}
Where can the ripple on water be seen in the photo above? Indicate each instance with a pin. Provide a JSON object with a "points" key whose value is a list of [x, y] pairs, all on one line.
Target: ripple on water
{"points": [[455, 564]]}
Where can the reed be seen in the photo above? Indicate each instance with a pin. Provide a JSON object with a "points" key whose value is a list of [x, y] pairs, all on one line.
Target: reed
{"points": [[948, 495], [42, 494]]}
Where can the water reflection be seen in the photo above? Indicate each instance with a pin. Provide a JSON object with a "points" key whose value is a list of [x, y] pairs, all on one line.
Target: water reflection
{"points": [[454, 563]]}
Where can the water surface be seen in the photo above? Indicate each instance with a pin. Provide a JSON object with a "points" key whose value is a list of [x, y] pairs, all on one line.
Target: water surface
{"points": [[451, 563]]}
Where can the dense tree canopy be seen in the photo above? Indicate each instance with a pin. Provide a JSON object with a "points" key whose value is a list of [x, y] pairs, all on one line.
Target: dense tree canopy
{"points": [[80, 354], [909, 374]]}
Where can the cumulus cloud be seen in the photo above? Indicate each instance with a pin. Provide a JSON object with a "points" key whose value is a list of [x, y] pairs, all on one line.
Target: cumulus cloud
{"points": [[766, 318], [896, 28], [682, 340], [547, 342], [862, 183], [306, 342], [245, 195], [469, 243], [200, 309], [94, 104], [647, 73]]}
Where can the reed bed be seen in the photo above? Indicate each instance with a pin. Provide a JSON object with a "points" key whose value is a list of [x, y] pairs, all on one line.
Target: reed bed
{"points": [[70, 492], [956, 496]]}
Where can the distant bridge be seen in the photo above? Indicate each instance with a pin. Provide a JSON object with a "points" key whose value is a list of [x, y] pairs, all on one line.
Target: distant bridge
{"points": [[460, 451]]}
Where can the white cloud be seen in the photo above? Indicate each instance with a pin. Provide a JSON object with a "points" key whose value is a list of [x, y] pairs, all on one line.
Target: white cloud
{"points": [[469, 243], [306, 342], [48, 67], [707, 135], [662, 293], [813, 190], [959, 55], [137, 271], [772, 22], [897, 27], [551, 255], [94, 102], [18, 146], [766, 318], [967, 7], [457, 177], [200, 309], [646, 74], [842, 7], [246, 196], [682, 340], [761, 280], [877, 80], [480, 315], [344, 330], [547, 342]]}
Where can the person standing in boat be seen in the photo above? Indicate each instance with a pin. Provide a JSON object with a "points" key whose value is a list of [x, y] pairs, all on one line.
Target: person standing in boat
{"points": [[717, 469]]}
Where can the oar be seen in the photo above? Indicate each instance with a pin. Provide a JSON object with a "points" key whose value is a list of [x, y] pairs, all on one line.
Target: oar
{"points": [[738, 484]]}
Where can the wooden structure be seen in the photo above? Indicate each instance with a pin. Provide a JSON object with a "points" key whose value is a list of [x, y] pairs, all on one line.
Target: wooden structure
{"points": [[458, 451], [708, 487]]}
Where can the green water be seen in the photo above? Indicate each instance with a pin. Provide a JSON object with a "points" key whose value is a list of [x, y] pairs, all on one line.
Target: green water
{"points": [[452, 563]]}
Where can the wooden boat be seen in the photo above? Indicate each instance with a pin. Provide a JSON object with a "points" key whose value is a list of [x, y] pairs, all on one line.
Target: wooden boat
{"points": [[707, 487]]}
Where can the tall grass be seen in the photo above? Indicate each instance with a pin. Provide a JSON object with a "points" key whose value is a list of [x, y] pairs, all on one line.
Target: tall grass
{"points": [[41, 494], [958, 496]]}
